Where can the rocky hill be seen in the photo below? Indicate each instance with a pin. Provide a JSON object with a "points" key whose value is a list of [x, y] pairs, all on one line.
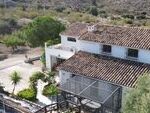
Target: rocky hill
{"points": [[115, 6], [111, 6], [126, 5]]}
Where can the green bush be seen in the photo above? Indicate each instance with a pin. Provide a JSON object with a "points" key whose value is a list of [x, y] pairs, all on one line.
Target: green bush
{"points": [[128, 16], [94, 11], [28, 94], [35, 77], [53, 42], [50, 90], [140, 17], [128, 21]]}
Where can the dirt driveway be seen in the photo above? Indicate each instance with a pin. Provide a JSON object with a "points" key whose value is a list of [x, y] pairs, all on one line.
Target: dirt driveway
{"points": [[15, 62]]}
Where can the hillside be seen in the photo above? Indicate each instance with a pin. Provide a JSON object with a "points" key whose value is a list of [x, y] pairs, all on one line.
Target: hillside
{"points": [[110, 6], [132, 6], [114, 6]]}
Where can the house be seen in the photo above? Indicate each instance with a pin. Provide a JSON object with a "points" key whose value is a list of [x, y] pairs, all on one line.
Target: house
{"points": [[97, 63]]}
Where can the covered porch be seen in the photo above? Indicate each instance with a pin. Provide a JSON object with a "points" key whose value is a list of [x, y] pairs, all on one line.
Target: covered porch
{"points": [[90, 95]]}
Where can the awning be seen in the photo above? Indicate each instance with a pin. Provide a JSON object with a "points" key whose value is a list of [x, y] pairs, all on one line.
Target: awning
{"points": [[92, 89]]}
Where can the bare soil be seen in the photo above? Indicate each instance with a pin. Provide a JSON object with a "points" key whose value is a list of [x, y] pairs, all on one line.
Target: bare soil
{"points": [[21, 51]]}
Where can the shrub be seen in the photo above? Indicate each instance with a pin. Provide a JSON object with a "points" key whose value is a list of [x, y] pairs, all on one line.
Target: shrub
{"points": [[28, 94], [60, 9], [102, 12], [53, 42], [42, 59], [128, 16], [12, 22], [103, 15], [35, 77], [5, 28], [128, 21], [140, 17], [50, 90], [94, 11]]}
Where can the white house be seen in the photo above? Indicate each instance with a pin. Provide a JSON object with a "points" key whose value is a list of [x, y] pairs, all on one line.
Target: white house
{"points": [[112, 54]]}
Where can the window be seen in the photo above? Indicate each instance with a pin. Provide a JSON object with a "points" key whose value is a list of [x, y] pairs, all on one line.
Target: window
{"points": [[71, 39], [132, 53], [106, 49]]}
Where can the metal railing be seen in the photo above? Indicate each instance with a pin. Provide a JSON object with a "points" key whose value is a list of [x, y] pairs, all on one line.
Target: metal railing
{"points": [[50, 108]]}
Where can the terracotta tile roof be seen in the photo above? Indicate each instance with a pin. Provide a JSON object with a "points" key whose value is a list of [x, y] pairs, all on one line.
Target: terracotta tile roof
{"points": [[75, 29], [122, 36], [114, 70]]}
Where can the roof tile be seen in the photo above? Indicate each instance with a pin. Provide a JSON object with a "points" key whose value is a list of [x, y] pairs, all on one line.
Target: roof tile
{"points": [[118, 71]]}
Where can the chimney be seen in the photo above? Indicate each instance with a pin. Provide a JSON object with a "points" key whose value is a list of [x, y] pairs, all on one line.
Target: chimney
{"points": [[92, 28]]}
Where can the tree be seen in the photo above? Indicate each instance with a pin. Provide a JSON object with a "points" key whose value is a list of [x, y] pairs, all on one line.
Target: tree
{"points": [[15, 78], [13, 42], [41, 30], [138, 99]]}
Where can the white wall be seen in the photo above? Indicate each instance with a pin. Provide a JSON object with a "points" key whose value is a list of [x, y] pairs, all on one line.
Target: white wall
{"points": [[118, 51], [51, 55], [59, 53], [70, 44], [93, 47], [87, 46], [144, 56], [63, 75], [48, 59]]}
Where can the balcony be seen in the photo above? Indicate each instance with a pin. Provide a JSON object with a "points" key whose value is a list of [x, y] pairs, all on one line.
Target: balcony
{"points": [[60, 51]]}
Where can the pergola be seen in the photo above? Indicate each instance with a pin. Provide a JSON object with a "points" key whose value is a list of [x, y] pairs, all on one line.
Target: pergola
{"points": [[91, 95]]}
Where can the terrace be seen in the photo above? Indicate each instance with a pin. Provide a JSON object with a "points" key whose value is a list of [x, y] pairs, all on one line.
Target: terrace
{"points": [[60, 51]]}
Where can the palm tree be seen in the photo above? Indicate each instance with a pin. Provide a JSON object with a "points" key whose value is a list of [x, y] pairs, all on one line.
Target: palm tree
{"points": [[15, 78]]}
